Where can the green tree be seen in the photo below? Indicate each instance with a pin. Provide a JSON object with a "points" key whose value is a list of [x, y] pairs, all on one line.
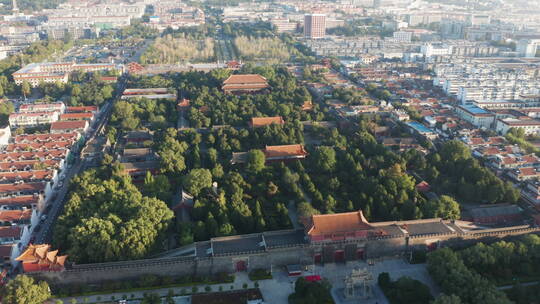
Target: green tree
{"points": [[197, 180], [24, 290], [444, 207], [255, 161], [311, 292], [152, 298], [6, 108], [157, 186], [305, 210], [325, 158], [26, 89], [444, 299], [106, 210]]}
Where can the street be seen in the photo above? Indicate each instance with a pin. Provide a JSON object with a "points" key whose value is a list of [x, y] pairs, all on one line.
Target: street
{"points": [[45, 233]]}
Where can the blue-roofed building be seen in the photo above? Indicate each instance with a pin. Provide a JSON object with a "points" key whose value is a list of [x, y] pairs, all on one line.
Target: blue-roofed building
{"points": [[422, 130], [477, 116]]}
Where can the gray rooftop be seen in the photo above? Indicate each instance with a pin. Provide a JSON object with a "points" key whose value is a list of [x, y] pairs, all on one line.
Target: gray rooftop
{"points": [[237, 244], [284, 238], [427, 228], [495, 211]]}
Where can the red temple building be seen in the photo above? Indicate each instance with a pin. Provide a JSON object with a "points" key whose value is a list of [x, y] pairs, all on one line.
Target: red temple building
{"points": [[307, 105], [274, 153], [183, 104], [349, 236], [41, 258], [284, 152], [257, 122], [134, 67], [337, 226], [247, 83]]}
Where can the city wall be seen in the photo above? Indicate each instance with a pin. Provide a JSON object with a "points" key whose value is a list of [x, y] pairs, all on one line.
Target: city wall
{"points": [[300, 254]]}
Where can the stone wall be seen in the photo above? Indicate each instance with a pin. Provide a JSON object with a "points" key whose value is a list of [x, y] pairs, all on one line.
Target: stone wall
{"points": [[132, 270], [300, 254]]}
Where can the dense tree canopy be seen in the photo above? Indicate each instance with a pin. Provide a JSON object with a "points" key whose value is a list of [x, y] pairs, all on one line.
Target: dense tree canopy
{"points": [[25, 290], [197, 180], [106, 210], [505, 261], [444, 299], [444, 207], [454, 171], [255, 161], [404, 290], [311, 293], [450, 272], [6, 108]]}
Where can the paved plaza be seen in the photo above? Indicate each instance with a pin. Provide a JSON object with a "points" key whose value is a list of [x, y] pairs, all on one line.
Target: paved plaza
{"points": [[277, 290]]}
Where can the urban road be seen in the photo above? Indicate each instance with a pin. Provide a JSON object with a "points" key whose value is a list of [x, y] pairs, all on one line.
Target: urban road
{"points": [[44, 233]]}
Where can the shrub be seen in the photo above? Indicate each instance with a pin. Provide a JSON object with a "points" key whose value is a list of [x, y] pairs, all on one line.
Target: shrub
{"points": [[418, 257], [148, 281], [259, 274]]}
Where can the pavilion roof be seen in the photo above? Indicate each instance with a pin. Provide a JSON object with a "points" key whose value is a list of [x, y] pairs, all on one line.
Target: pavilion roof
{"points": [[339, 222]]}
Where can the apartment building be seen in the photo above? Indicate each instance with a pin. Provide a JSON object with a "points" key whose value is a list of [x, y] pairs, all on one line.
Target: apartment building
{"points": [[32, 119], [479, 117], [59, 107], [52, 72], [530, 126], [314, 26]]}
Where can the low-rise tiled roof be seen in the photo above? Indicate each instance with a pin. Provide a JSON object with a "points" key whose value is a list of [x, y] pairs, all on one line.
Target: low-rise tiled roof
{"points": [[47, 137], [13, 216], [26, 165], [81, 109], [37, 175], [27, 156], [10, 232], [5, 250], [22, 200], [69, 125], [22, 187], [500, 210], [528, 171], [76, 116], [36, 146]]}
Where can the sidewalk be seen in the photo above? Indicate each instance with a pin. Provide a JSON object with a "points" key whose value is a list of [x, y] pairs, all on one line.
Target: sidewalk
{"points": [[238, 284]]}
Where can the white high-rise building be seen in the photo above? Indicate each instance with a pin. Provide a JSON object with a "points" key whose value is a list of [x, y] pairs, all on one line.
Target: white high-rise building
{"points": [[528, 47]]}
